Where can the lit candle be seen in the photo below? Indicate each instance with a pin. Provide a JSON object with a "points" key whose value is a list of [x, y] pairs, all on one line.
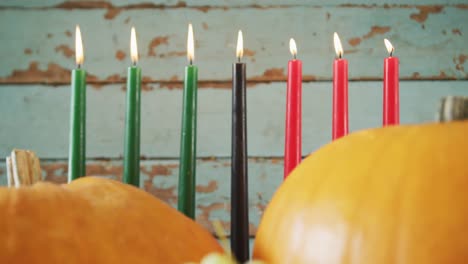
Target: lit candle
{"points": [[340, 92], [77, 148], [391, 101], [293, 135], [188, 139], [239, 191], [132, 118]]}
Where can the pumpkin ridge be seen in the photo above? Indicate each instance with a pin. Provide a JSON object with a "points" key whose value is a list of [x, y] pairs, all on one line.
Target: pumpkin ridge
{"points": [[402, 191], [348, 252]]}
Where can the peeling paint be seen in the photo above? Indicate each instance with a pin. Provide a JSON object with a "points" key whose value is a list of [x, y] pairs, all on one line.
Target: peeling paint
{"points": [[416, 75], [354, 41], [203, 9], [173, 85], [104, 169], [56, 172], [173, 54], [460, 61], [424, 12], [53, 73], [146, 87], [155, 42], [205, 26], [272, 74], [112, 13], [68, 33], [168, 195], [201, 84], [375, 30], [120, 55], [211, 187], [204, 217], [49, 35], [114, 78], [158, 170], [65, 50], [462, 6], [27, 51], [456, 31], [358, 6], [248, 52], [351, 51]]}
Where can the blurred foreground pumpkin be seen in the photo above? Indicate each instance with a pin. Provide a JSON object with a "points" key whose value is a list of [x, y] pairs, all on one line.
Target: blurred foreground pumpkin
{"points": [[392, 195], [95, 220]]}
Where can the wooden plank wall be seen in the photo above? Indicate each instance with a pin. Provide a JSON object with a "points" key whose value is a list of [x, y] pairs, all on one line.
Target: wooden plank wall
{"points": [[37, 55]]}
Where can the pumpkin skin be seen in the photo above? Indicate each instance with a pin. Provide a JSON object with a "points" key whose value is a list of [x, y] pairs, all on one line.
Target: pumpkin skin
{"points": [[390, 195], [95, 220]]}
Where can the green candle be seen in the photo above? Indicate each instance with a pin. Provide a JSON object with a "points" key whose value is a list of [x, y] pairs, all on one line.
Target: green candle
{"points": [[188, 140], [132, 119], [77, 154]]}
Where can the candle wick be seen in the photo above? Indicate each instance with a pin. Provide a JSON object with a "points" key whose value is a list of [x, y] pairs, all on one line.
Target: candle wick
{"points": [[238, 59], [134, 63], [295, 56], [391, 53], [190, 62], [78, 66]]}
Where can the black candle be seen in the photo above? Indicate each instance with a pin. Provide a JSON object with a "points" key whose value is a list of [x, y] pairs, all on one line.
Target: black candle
{"points": [[239, 191]]}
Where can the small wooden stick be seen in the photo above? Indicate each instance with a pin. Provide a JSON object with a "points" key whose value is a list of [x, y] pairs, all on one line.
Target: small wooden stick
{"points": [[453, 108], [9, 168], [23, 168]]}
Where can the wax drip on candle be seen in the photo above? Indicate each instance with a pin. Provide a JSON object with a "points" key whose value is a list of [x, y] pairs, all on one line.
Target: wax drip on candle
{"points": [[190, 45], [389, 47], [78, 48], [338, 47], [133, 47], [293, 47], [240, 46]]}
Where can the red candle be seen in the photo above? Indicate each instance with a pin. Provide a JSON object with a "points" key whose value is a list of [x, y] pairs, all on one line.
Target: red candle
{"points": [[391, 101], [340, 92], [293, 135]]}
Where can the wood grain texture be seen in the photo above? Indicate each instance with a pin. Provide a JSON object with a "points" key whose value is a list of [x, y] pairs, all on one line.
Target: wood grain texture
{"points": [[37, 117], [159, 177], [430, 41]]}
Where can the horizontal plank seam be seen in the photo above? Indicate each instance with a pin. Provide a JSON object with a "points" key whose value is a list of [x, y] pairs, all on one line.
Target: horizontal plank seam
{"points": [[221, 82], [200, 158], [149, 6]]}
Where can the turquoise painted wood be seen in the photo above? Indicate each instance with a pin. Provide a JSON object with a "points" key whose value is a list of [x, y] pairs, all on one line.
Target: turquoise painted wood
{"points": [[215, 3], [159, 177], [430, 42], [36, 117]]}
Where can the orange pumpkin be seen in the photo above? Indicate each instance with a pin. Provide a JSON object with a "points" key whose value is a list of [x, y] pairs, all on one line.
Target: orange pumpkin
{"points": [[95, 220], [390, 195]]}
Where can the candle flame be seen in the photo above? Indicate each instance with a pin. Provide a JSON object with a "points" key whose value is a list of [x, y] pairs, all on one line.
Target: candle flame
{"points": [[338, 47], [293, 47], [133, 46], [240, 45], [190, 45], [389, 46], [78, 47]]}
